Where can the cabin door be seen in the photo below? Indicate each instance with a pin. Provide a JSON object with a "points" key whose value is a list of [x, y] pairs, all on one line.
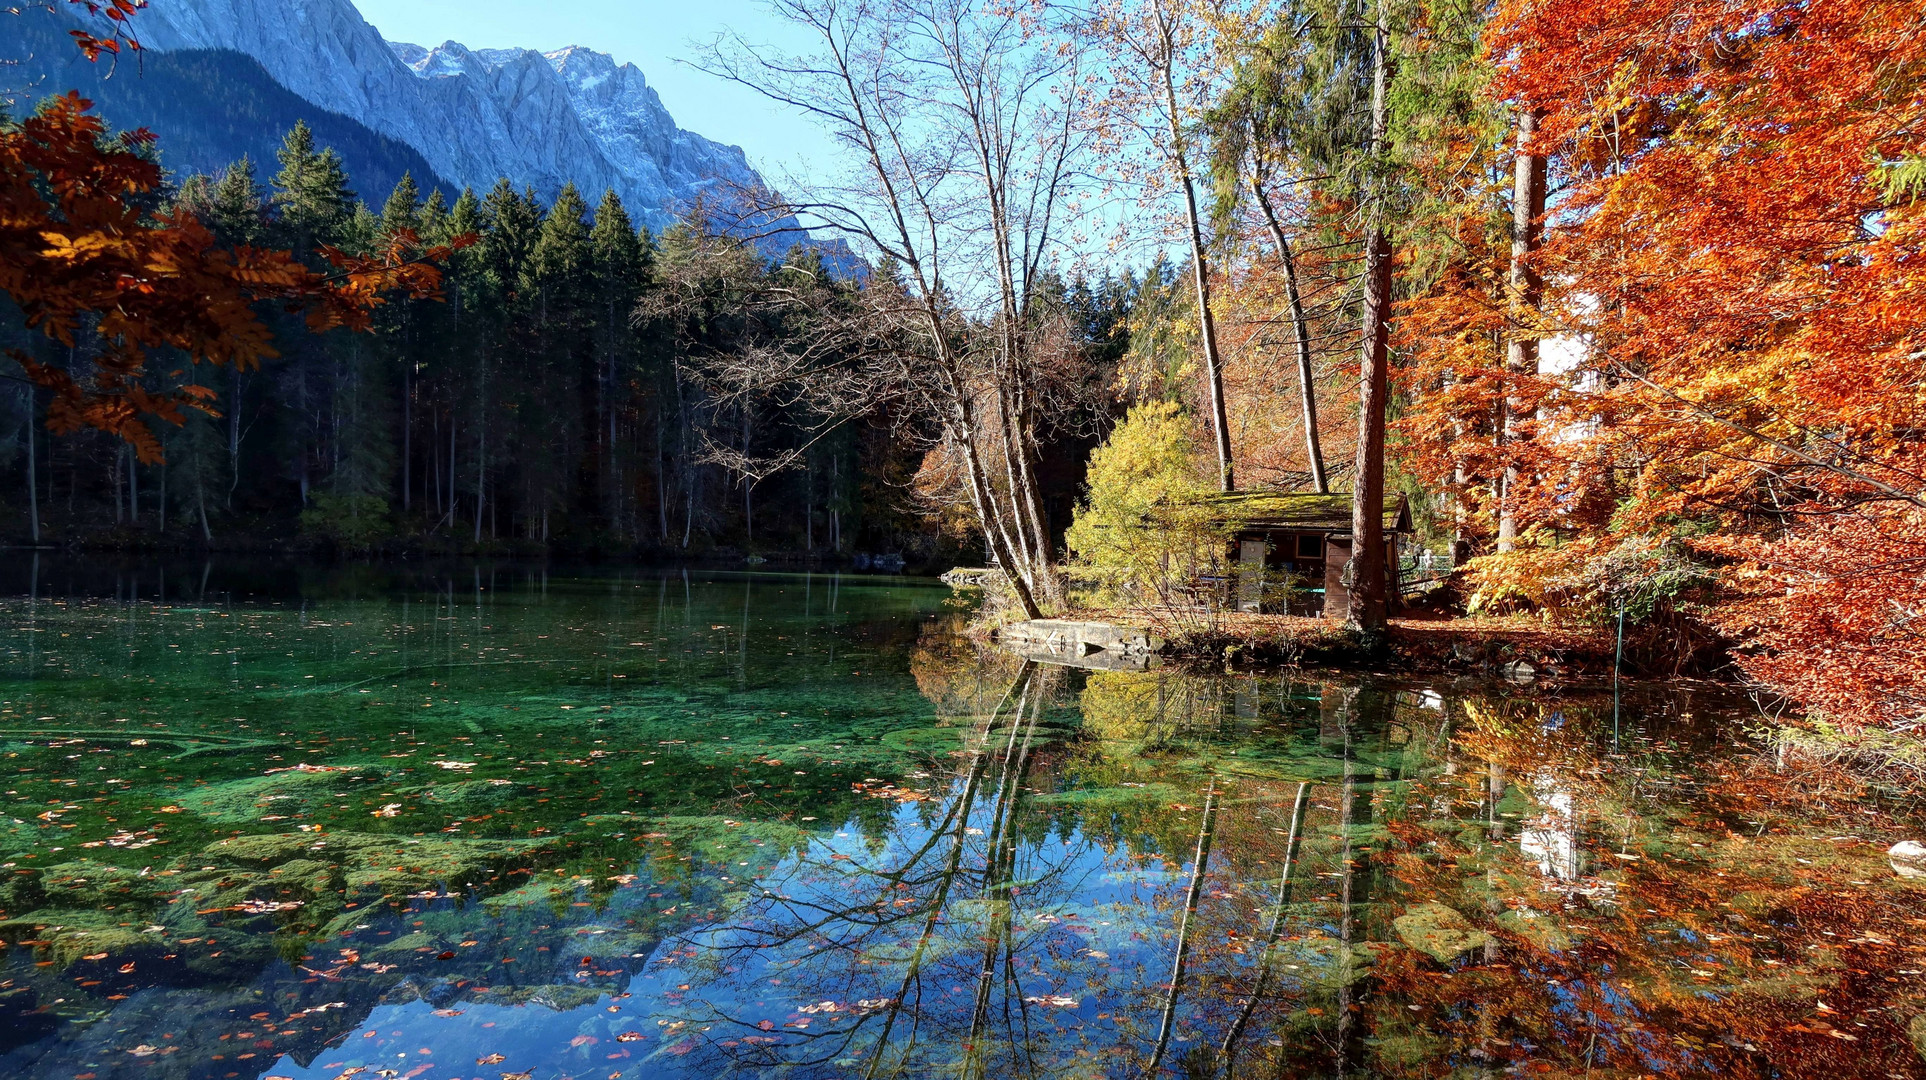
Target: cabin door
{"points": [[1250, 574]]}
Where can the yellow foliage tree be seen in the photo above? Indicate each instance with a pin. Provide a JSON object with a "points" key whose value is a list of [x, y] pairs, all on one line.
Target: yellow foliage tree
{"points": [[1143, 535]]}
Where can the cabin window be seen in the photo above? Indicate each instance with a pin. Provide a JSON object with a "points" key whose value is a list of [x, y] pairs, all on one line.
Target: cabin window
{"points": [[1310, 546]]}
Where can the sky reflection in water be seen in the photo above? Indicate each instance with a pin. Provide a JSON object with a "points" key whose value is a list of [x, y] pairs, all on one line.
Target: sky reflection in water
{"points": [[478, 824]]}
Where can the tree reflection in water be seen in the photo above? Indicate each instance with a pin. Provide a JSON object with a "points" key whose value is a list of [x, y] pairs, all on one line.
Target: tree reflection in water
{"points": [[1142, 874], [783, 828]]}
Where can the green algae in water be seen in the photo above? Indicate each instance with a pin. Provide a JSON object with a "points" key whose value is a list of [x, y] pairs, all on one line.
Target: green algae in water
{"points": [[657, 825]]}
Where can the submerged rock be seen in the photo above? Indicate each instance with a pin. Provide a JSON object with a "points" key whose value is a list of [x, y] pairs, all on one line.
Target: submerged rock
{"points": [[1518, 671], [1908, 858], [1439, 932], [1537, 928]]}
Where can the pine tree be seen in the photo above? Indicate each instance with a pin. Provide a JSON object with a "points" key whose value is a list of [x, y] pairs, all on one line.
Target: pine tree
{"points": [[237, 207], [311, 191], [400, 327], [433, 223], [621, 263], [512, 222], [403, 209]]}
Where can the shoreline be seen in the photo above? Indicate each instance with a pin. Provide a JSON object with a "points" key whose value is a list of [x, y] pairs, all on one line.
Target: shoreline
{"points": [[1519, 649]]}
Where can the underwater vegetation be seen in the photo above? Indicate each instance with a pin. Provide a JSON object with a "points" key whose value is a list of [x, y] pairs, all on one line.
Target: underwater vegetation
{"points": [[655, 825]]}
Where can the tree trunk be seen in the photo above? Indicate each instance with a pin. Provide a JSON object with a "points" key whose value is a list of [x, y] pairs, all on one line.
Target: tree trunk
{"points": [[1199, 862], [120, 455], [661, 477], [1301, 335], [407, 440], [33, 475], [1199, 265], [200, 502], [233, 437], [1370, 606], [1527, 294], [481, 477]]}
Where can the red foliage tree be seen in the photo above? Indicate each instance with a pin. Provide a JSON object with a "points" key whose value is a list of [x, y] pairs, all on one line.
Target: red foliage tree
{"points": [[81, 250]]}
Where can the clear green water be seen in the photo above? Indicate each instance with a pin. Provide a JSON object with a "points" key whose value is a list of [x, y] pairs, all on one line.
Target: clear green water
{"points": [[488, 823]]}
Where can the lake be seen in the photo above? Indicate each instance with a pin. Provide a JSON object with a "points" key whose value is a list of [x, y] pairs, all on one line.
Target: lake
{"points": [[496, 823]]}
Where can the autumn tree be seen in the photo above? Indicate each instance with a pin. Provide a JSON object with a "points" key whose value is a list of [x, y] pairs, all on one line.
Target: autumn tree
{"points": [[965, 134], [1165, 68], [1737, 257]]}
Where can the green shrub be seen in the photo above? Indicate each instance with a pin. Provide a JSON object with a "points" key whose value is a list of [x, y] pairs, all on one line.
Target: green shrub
{"points": [[1143, 535], [348, 521]]}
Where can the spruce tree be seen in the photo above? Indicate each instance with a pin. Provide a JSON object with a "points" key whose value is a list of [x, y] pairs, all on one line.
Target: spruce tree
{"points": [[433, 223], [620, 255], [403, 208], [237, 206], [311, 191], [399, 323]]}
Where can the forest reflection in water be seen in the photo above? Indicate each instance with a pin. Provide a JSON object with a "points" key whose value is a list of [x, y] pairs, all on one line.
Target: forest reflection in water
{"points": [[1293, 876], [733, 826]]}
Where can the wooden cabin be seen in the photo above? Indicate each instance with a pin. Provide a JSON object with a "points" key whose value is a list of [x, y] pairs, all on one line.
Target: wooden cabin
{"points": [[1289, 549]]}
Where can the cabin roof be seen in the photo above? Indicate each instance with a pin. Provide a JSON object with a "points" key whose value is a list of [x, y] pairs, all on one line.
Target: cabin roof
{"points": [[1300, 511]]}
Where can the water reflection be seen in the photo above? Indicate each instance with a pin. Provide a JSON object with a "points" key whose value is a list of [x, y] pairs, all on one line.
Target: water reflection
{"points": [[686, 826]]}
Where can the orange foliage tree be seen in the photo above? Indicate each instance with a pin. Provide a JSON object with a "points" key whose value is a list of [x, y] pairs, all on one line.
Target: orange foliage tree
{"points": [[82, 250], [1736, 273]]}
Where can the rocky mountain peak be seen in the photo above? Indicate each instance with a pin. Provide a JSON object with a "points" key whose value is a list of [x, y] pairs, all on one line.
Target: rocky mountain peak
{"points": [[542, 119]]}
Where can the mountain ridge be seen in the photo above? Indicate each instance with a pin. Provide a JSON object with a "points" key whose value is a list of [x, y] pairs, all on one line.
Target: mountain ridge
{"points": [[222, 105], [541, 120]]}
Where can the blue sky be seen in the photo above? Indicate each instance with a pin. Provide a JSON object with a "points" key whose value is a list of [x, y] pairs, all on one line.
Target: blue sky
{"points": [[652, 34]]}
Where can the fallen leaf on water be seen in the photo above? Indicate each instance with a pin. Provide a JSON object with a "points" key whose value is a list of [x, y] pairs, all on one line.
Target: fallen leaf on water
{"points": [[583, 1040], [630, 1036], [490, 1059], [144, 1050], [523, 1075], [447, 1012], [96, 956], [127, 967]]}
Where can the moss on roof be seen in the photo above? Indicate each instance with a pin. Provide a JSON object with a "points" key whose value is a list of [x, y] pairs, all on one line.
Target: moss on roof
{"points": [[1301, 510]]}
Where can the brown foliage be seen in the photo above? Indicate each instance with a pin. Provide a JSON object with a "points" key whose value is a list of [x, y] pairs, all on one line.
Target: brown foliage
{"points": [[82, 252]]}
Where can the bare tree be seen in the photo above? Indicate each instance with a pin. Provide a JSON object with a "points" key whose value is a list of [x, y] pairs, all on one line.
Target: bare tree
{"points": [[1160, 96], [963, 134]]}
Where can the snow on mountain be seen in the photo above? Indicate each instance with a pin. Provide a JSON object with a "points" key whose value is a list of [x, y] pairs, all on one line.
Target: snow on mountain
{"points": [[474, 114]]}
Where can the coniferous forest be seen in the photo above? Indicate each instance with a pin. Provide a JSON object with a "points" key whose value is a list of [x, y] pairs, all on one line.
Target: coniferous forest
{"points": [[549, 400]]}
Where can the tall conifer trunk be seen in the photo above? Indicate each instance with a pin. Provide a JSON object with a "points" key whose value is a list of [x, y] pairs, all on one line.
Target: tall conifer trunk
{"points": [[33, 473], [1369, 602]]}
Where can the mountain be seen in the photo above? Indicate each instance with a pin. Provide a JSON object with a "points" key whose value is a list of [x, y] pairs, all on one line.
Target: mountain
{"points": [[472, 115], [208, 106]]}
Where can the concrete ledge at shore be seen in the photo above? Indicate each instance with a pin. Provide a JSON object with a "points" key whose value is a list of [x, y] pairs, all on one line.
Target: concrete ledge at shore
{"points": [[1081, 637]]}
